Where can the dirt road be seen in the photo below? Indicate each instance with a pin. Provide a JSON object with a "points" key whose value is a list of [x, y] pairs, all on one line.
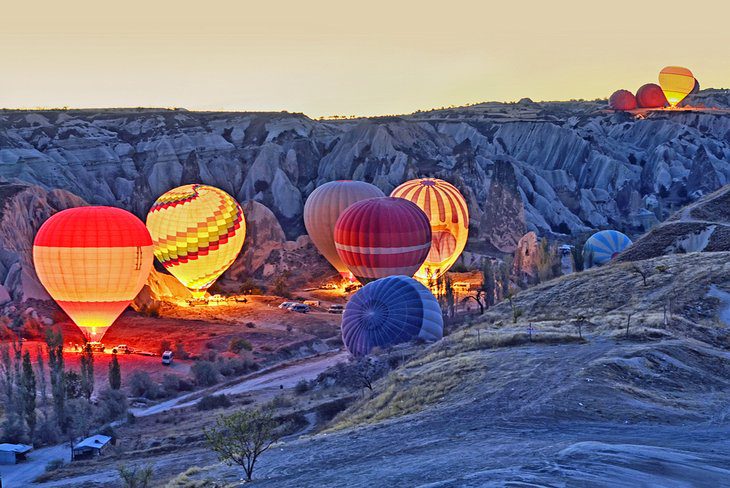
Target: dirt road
{"points": [[285, 375], [23, 474]]}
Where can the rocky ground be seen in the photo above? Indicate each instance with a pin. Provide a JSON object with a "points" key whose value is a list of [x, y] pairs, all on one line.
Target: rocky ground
{"points": [[525, 403]]}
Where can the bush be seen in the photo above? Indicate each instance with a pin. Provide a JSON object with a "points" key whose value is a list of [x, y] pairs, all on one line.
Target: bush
{"points": [[164, 346], [142, 385], [205, 373], [180, 351], [173, 383], [281, 401], [211, 402], [235, 366], [239, 344], [250, 325], [327, 411], [302, 387], [112, 406], [54, 465]]}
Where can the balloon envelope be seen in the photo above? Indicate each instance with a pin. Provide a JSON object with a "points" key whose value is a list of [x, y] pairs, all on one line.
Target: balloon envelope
{"points": [[677, 83], [381, 237], [322, 209], [448, 216], [390, 311], [622, 100], [93, 261], [197, 231], [603, 246], [651, 96]]}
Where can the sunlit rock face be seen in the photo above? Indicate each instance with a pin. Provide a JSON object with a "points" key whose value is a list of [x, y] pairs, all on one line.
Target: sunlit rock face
{"points": [[557, 168]]}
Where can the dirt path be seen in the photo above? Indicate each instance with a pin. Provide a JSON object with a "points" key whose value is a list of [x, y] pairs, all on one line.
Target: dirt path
{"points": [[23, 474], [285, 375]]}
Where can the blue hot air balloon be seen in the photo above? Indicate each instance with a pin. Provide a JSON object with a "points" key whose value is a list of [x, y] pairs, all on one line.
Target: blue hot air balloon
{"points": [[603, 246], [389, 311]]}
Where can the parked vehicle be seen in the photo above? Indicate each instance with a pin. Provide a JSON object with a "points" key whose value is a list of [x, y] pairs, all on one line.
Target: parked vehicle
{"points": [[312, 303], [96, 346], [167, 357], [299, 307], [122, 349], [336, 308], [287, 305]]}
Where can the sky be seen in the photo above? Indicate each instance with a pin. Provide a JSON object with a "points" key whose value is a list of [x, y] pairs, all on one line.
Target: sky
{"points": [[327, 58]]}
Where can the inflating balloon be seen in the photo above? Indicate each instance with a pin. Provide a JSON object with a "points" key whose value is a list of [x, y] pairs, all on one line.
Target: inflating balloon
{"points": [[197, 231], [677, 83], [381, 237], [390, 311], [603, 246], [93, 261], [651, 96], [448, 215], [322, 209], [622, 100]]}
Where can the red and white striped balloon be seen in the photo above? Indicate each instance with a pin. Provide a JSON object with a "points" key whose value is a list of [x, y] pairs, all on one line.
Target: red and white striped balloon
{"points": [[382, 237]]}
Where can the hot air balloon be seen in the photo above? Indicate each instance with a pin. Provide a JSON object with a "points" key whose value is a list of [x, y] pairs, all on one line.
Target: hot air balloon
{"points": [[696, 88], [198, 231], [381, 237], [390, 311], [448, 214], [603, 246], [677, 83], [622, 100], [651, 96], [93, 261], [324, 206]]}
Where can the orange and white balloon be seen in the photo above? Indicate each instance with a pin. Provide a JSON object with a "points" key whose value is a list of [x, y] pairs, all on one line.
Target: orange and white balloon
{"points": [[93, 261], [448, 215]]}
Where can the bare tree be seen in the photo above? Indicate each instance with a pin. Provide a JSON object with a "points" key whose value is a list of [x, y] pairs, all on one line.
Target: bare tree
{"points": [[240, 438], [579, 321], [643, 271]]}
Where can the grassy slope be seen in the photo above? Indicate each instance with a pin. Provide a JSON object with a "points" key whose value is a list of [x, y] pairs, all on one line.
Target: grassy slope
{"points": [[668, 372]]}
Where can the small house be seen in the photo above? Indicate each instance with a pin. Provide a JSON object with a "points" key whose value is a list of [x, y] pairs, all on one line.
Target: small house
{"points": [[91, 446], [14, 453]]}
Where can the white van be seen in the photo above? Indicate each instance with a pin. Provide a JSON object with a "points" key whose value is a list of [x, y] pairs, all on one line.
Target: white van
{"points": [[167, 358]]}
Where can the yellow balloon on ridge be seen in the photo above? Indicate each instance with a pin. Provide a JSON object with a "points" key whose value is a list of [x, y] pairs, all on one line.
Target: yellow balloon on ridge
{"points": [[676, 83]]}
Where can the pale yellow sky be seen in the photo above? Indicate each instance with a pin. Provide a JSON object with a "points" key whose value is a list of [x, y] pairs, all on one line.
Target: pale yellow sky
{"points": [[339, 57]]}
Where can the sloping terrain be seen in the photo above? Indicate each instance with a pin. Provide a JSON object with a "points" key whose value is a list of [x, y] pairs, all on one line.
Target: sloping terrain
{"points": [[650, 409], [701, 226]]}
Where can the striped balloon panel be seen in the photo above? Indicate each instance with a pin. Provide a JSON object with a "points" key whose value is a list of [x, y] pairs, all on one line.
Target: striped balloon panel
{"points": [[93, 261], [390, 311], [603, 246], [448, 216], [676, 83], [381, 237], [324, 206], [198, 231]]}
